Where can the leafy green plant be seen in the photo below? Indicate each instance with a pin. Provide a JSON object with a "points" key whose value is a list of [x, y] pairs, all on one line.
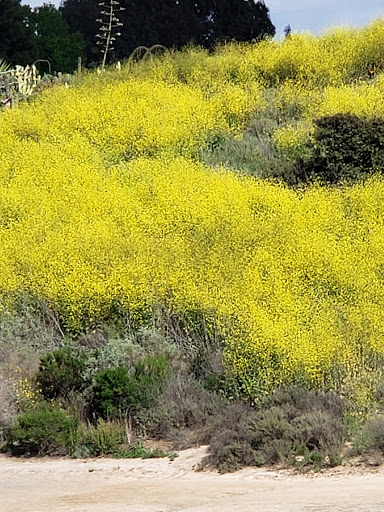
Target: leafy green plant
{"points": [[115, 393], [346, 148], [45, 431], [62, 372], [151, 374], [139, 451], [103, 438], [4, 66], [118, 394]]}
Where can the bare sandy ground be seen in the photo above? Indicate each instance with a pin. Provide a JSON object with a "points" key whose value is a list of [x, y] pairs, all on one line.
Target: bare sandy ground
{"points": [[159, 485]]}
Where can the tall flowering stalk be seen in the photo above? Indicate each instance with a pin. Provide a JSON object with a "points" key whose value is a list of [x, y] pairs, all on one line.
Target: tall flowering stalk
{"points": [[109, 22]]}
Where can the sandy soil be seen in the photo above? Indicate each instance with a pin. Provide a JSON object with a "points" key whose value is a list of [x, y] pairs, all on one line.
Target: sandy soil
{"points": [[159, 485]]}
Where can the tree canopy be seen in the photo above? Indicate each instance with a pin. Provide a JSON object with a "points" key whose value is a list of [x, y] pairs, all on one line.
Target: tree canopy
{"points": [[18, 44], [27, 35], [172, 23], [62, 35], [54, 42]]}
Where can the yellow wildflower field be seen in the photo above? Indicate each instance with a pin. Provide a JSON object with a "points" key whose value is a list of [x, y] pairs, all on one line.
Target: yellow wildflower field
{"points": [[105, 206]]}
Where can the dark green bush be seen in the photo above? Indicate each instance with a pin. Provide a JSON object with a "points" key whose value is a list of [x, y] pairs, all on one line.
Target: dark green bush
{"points": [[346, 148], [117, 393], [46, 431], [62, 372]]}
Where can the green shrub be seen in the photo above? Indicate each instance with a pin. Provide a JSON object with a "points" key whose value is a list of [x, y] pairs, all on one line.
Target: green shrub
{"points": [[139, 451], [46, 431], [117, 393], [62, 372], [346, 148], [253, 154], [104, 438], [151, 374]]}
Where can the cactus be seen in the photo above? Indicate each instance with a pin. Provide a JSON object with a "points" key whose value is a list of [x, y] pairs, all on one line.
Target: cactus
{"points": [[18, 83]]}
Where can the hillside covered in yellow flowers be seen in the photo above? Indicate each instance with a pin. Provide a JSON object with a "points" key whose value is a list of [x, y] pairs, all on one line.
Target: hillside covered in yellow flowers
{"points": [[115, 204]]}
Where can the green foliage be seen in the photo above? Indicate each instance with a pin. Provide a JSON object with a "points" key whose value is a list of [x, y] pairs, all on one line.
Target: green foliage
{"points": [[17, 42], [62, 372], [104, 438], [172, 24], [55, 43], [117, 393], [27, 36], [151, 374], [250, 154], [4, 66], [346, 148], [45, 431], [371, 436]]}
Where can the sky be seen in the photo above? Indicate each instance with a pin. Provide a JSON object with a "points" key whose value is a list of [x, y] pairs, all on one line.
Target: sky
{"points": [[318, 15], [312, 15]]}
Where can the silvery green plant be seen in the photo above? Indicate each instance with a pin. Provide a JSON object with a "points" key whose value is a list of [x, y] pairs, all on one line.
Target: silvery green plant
{"points": [[109, 26], [18, 83], [27, 79]]}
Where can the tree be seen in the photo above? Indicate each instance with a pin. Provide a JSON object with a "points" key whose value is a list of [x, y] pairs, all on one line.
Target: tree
{"points": [[171, 23], [177, 23], [54, 41], [18, 44], [239, 20], [81, 17], [287, 31]]}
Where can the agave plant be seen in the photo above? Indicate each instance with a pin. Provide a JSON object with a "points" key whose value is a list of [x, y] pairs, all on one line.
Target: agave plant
{"points": [[109, 23], [4, 66]]}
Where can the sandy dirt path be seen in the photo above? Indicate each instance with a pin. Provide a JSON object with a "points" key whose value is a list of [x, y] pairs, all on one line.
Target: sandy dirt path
{"points": [[159, 485]]}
